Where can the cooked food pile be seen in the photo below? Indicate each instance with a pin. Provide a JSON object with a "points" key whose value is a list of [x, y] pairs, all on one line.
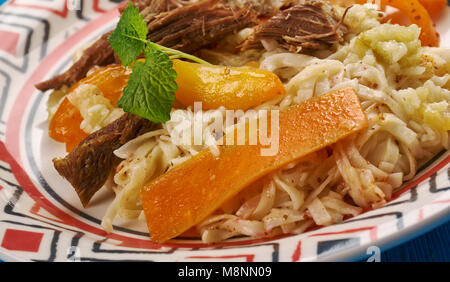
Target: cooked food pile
{"points": [[363, 103]]}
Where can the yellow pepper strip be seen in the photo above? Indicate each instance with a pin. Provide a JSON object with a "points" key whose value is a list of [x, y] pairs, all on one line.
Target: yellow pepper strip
{"points": [[232, 87]]}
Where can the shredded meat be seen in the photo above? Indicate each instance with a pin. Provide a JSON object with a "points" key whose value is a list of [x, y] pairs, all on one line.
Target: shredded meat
{"points": [[193, 26], [98, 54], [311, 25], [172, 23], [89, 165], [263, 8]]}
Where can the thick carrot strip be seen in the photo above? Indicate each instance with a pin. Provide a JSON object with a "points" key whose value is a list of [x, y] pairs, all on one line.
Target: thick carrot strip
{"points": [[187, 194]]}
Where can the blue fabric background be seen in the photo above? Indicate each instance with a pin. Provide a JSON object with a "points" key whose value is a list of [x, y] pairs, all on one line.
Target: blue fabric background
{"points": [[433, 246]]}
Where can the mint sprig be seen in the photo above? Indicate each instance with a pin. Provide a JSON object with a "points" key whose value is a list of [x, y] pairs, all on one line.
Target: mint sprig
{"points": [[151, 87], [129, 37]]}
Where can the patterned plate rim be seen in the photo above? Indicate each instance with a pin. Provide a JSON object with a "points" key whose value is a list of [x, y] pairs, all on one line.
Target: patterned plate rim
{"points": [[341, 251]]}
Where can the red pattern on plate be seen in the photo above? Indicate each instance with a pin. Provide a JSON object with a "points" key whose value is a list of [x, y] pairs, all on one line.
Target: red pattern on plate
{"points": [[297, 252], [62, 13], [35, 209], [9, 41], [371, 229], [97, 8], [420, 216], [440, 202], [18, 109], [21, 240]]}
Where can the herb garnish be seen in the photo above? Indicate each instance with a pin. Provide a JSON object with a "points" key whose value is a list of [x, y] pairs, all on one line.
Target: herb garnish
{"points": [[151, 87]]}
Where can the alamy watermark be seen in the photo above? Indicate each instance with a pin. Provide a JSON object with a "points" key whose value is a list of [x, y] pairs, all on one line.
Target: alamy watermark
{"points": [[234, 127], [73, 254], [374, 253]]}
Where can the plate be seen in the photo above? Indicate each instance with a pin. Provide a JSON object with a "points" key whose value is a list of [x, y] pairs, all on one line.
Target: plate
{"points": [[42, 219]]}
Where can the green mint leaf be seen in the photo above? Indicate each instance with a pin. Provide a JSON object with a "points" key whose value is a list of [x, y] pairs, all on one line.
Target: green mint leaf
{"points": [[151, 88], [130, 36]]}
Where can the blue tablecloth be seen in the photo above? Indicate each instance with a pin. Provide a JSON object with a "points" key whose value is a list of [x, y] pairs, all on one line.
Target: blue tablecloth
{"points": [[433, 246]]}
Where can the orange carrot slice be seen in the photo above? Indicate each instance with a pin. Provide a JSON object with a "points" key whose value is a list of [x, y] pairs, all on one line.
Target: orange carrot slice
{"points": [[65, 124], [434, 7], [187, 194]]}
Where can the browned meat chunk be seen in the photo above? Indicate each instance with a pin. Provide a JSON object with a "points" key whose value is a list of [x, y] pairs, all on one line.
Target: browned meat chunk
{"points": [[89, 165], [311, 25], [193, 26], [100, 53], [176, 24]]}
